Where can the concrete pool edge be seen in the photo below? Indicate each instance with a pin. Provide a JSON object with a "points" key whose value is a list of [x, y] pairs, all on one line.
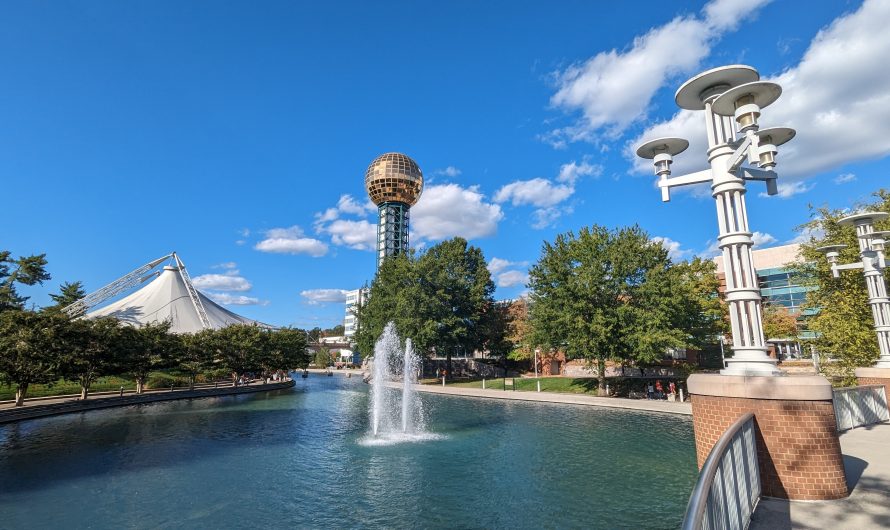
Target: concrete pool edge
{"points": [[667, 407], [76, 405]]}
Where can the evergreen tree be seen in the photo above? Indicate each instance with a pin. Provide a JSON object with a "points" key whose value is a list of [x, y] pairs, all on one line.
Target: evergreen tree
{"points": [[26, 270], [68, 294]]}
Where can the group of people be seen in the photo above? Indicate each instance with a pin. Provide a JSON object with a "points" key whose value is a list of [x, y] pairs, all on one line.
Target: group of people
{"points": [[656, 391]]}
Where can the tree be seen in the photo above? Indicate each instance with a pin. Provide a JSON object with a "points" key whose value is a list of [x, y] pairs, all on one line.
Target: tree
{"points": [[322, 358], [146, 349], [778, 322], [68, 294], [25, 270], [239, 348], [29, 349], [287, 347], [336, 331], [615, 295], [194, 354], [394, 295], [90, 351], [519, 331], [842, 318]]}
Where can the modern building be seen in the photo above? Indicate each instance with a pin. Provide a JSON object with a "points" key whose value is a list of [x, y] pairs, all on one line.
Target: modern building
{"points": [[354, 299], [778, 288], [394, 183]]}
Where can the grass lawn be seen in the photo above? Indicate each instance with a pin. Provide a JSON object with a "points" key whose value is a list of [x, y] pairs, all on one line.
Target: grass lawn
{"points": [[548, 384], [62, 387]]}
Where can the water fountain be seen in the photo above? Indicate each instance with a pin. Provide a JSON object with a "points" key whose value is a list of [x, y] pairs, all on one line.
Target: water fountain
{"points": [[396, 414]]}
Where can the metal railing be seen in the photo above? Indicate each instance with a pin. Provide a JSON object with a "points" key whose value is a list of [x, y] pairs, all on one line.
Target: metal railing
{"points": [[856, 406], [728, 486]]}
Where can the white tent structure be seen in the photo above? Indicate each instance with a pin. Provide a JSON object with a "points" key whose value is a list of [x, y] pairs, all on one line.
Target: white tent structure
{"points": [[169, 297]]}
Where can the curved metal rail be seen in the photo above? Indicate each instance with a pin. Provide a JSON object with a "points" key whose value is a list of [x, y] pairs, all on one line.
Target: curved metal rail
{"points": [[728, 486]]}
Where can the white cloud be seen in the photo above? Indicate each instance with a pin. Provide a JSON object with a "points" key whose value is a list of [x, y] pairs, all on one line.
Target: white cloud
{"points": [[789, 189], [762, 239], [449, 171], [291, 241], [512, 278], [836, 98], [536, 192], [229, 299], [359, 235], [449, 210], [230, 280], [673, 248], [844, 178], [221, 282], [571, 172], [544, 217], [347, 204], [323, 296], [806, 234], [613, 89], [498, 265]]}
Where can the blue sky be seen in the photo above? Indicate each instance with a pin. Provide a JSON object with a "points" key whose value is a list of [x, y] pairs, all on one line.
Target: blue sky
{"points": [[237, 133]]}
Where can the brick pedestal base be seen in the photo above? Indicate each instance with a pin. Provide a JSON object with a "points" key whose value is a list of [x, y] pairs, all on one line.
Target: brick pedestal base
{"points": [[798, 450], [875, 376]]}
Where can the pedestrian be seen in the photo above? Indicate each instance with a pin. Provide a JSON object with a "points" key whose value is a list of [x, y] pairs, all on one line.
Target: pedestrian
{"points": [[672, 387], [649, 390], [659, 389]]}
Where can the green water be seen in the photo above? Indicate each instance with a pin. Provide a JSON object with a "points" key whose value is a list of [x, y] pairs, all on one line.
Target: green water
{"points": [[296, 458]]}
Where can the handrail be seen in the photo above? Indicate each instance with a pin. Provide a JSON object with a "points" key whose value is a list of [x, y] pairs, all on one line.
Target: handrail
{"points": [[701, 494], [856, 406]]}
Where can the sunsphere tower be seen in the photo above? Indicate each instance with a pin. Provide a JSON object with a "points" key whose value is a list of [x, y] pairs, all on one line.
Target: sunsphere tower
{"points": [[394, 182]]}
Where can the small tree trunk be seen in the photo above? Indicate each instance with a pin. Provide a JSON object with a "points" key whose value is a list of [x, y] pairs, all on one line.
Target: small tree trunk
{"points": [[140, 382], [234, 378], [601, 377], [84, 390], [192, 382], [20, 394]]}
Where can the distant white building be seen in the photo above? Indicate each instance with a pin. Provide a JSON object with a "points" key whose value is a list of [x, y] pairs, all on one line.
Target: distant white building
{"points": [[354, 299]]}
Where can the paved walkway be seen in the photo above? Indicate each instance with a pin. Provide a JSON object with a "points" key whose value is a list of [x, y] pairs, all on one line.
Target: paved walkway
{"points": [[556, 397], [867, 461]]}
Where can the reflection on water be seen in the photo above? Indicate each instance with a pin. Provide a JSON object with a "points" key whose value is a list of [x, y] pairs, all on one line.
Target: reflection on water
{"points": [[302, 458]]}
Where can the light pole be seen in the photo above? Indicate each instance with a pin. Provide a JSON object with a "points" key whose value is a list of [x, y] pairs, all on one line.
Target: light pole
{"points": [[731, 98], [538, 381], [872, 262]]}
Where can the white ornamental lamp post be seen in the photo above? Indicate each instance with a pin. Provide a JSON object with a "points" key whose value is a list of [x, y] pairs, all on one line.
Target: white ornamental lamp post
{"points": [[732, 98], [872, 262]]}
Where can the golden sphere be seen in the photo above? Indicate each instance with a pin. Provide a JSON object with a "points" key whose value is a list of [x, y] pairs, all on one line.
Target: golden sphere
{"points": [[394, 177]]}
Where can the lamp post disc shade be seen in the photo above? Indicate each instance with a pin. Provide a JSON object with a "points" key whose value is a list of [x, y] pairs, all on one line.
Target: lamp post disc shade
{"points": [[851, 220], [776, 135], [669, 145], [831, 248], [763, 92], [689, 95]]}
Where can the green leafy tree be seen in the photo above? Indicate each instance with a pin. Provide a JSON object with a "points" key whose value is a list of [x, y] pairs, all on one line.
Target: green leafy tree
{"points": [[29, 349], [239, 348], [288, 349], [25, 270], [322, 358], [146, 349], [394, 295], [778, 322], [90, 351], [843, 323], [67, 295], [458, 298], [194, 354], [615, 295]]}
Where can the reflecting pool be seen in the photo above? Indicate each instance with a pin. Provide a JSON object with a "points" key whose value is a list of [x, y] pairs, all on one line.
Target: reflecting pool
{"points": [[301, 458]]}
